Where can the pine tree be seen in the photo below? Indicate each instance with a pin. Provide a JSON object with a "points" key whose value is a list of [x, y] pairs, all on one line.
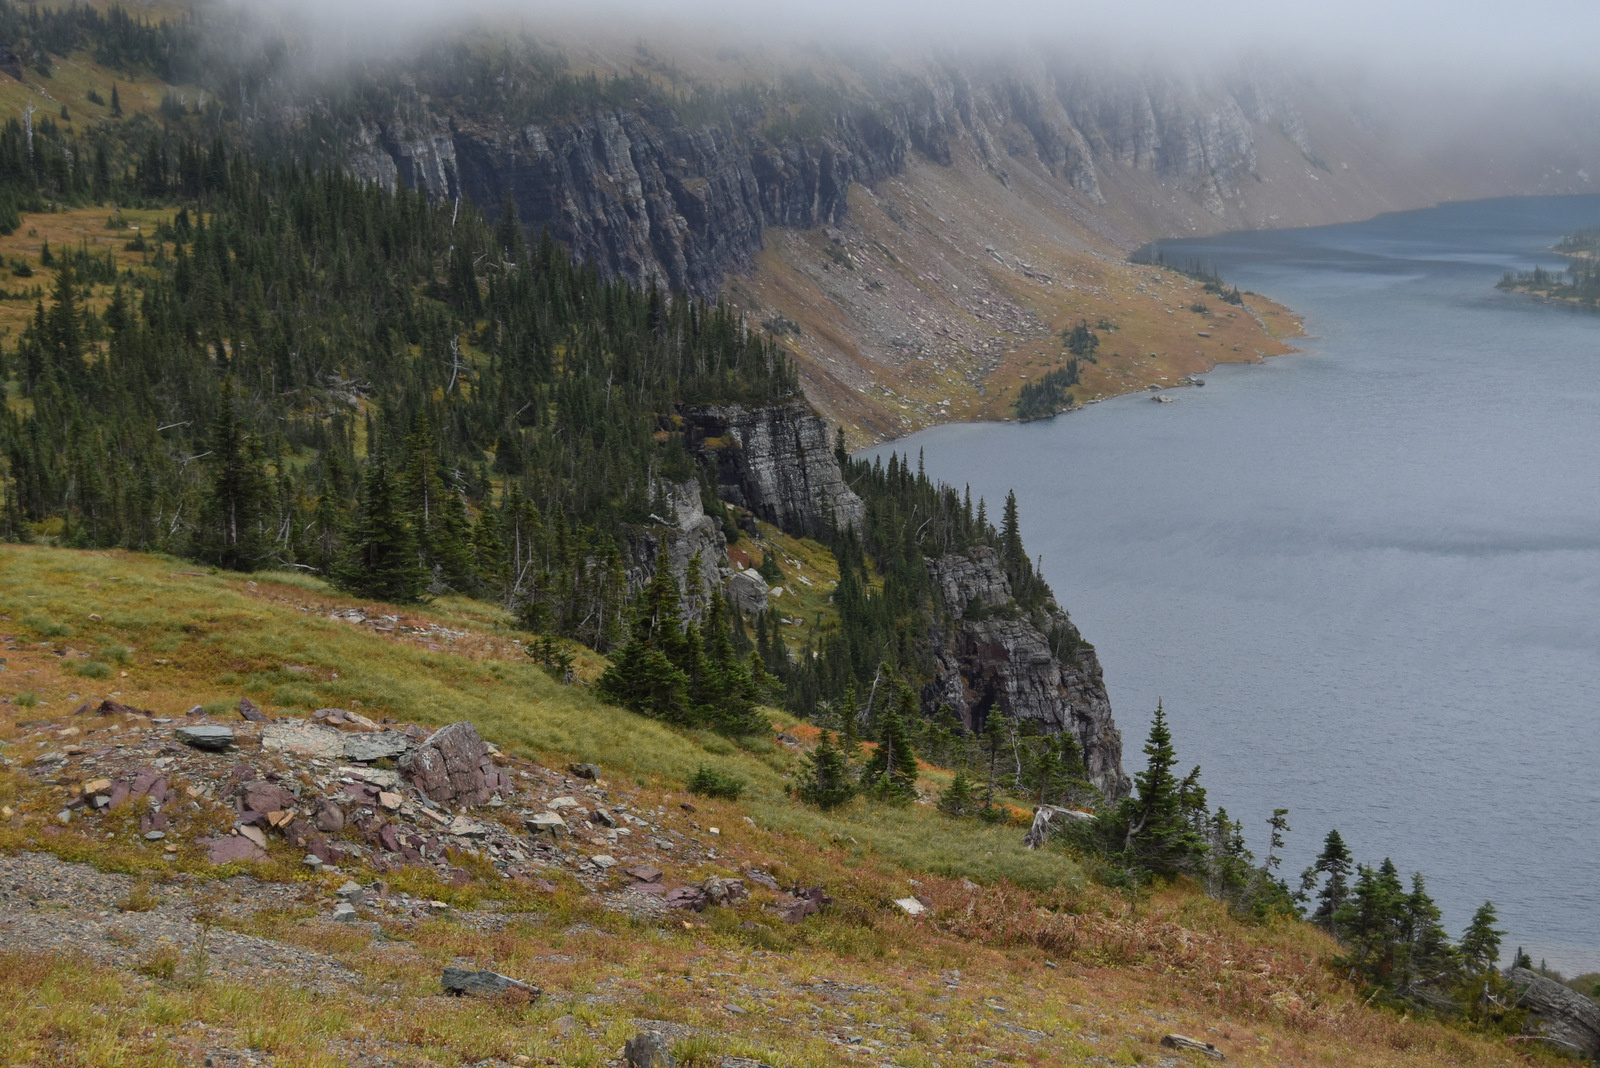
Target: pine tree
{"points": [[231, 529], [1279, 823], [1429, 957], [891, 772], [957, 799], [1480, 944], [380, 560], [116, 102], [1335, 864], [824, 777], [995, 742], [1155, 824], [647, 674]]}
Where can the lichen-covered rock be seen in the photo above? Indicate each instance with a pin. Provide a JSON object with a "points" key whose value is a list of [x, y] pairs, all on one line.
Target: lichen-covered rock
{"points": [[1033, 667], [384, 745], [303, 739], [1558, 1014], [483, 983], [776, 462], [453, 767]]}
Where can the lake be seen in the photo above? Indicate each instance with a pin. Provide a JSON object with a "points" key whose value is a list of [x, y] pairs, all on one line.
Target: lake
{"points": [[1364, 579]]}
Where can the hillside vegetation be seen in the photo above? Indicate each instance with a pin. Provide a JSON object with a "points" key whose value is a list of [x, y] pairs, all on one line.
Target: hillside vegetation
{"points": [[1017, 960]]}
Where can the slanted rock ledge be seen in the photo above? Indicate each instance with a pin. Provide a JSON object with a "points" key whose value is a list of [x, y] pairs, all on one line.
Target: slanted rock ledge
{"points": [[1560, 1016]]}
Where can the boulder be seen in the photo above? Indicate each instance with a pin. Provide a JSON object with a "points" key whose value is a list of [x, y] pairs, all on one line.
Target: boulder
{"points": [[483, 983], [262, 796], [546, 821], [1558, 1015], [453, 766], [584, 771], [303, 739], [747, 593], [329, 818], [210, 739], [229, 849], [647, 1050], [384, 745], [724, 891], [109, 707], [249, 711]]}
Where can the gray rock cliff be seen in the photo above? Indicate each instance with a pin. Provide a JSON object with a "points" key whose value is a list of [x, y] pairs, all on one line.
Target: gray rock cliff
{"points": [[1035, 667], [686, 531], [775, 462]]}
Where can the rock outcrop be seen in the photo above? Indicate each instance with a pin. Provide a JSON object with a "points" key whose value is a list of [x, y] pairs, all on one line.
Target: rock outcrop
{"points": [[992, 657], [454, 767], [686, 532], [1559, 1015], [776, 462]]}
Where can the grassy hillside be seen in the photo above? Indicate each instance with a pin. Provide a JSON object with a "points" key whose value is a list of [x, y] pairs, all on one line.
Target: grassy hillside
{"points": [[1018, 960]]}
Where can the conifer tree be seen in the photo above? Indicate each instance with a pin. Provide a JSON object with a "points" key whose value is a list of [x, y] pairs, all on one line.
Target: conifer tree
{"points": [[231, 532], [1156, 826], [1334, 863], [824, 778], [646, 675], [890, 773], [957, 799], [995, 743], [380, 559], [1480, 944], [1429, 957]]}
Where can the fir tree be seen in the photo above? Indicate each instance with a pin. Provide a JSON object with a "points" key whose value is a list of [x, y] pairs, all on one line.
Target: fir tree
{"points": [[380, 560], [1334, 863], [996, 740], [232, 533], [1155, 824], [1480, 944], [824, 778], [957, 799], [891, 772]]}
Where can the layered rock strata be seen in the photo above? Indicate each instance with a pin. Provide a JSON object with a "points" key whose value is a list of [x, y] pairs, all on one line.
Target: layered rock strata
{"points": [[777, 463], [994, 659]]}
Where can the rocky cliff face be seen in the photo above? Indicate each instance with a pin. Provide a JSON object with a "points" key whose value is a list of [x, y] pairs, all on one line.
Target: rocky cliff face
{"points": [[993, 659], [646, 196], [686, 532], [777, 463]]}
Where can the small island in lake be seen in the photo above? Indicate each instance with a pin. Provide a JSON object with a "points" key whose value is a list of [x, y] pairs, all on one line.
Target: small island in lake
{"points": [[1578, 284]]}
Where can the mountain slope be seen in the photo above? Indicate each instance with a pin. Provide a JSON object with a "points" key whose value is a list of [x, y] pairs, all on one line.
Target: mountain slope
{"points": [[126, 955]]}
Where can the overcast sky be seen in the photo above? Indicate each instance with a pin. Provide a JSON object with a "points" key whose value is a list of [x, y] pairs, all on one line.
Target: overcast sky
{"points": [[1503, 37]]}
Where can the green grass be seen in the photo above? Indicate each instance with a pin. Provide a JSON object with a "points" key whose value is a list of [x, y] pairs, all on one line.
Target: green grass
{"points": [[225, 638]]}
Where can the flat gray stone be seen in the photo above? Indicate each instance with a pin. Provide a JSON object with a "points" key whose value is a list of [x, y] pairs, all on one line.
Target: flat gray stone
{"points": [[462, 981], [206, 737], [303, 739], [384, 745]]}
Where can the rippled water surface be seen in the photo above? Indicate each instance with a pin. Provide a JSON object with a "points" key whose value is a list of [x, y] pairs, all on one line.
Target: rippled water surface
{"points": [[1365, 579]]}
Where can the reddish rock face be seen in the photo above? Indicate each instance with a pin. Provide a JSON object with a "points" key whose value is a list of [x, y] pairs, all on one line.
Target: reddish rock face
{"points": [[454, 767], [232, 848], [261, 796]]}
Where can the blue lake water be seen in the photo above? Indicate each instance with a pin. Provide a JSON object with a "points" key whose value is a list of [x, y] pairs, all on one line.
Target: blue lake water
{"points": [[1364, 579]]}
